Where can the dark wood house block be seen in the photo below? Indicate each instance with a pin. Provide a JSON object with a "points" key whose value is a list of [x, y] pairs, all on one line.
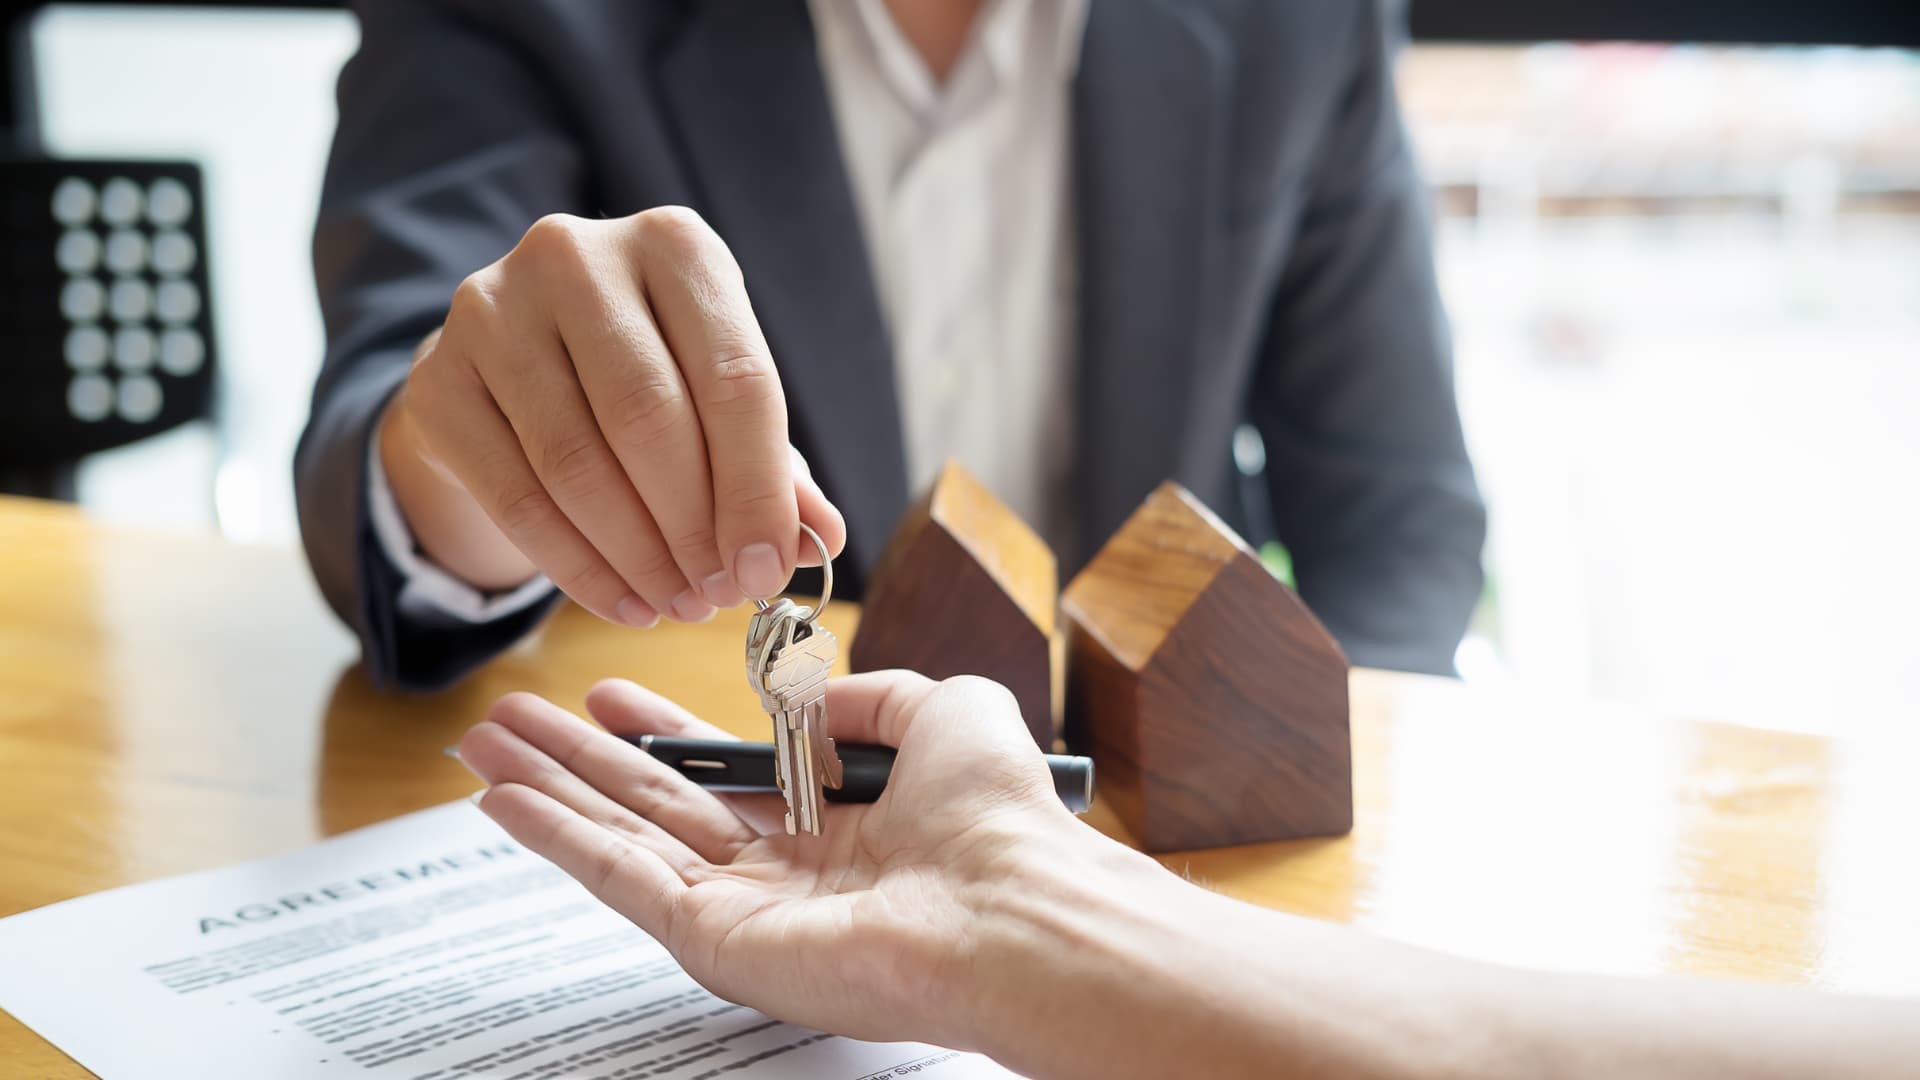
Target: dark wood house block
{"points": [[964, 587]]}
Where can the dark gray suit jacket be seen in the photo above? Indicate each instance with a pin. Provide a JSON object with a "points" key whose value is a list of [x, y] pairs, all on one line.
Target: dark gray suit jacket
{"points": [[1252, 247]]}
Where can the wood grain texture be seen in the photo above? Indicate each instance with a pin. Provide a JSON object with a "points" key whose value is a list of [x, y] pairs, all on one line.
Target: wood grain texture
{"points": [[1213, 703], [964, 587], [170, 704]]}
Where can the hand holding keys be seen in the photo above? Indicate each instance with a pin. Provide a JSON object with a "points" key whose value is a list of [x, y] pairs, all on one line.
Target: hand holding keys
{"points": [[789, 655]]}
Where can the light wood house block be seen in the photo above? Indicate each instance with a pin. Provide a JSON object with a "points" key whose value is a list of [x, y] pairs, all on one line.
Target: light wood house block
{"points": [[1213, 702]]}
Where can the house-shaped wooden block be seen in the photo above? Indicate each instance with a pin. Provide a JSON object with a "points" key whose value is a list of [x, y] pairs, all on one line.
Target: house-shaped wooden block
{"points": [[1213, 703], [964, 587]]}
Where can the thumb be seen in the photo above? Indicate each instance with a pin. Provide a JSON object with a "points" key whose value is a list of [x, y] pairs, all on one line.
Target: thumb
{"points": [[817, 512], [876, 706]]}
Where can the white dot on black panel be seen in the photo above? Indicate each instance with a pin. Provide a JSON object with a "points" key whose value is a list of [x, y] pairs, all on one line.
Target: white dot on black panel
{"points": [[181, 351], [168, 202], [78, 251], [73, 201], [90, 397], [173, 252], [139, 398], [82, 299], [121, 201], [130, 300], [126, 251], [86, 348], [178, 301], [133, 348]]}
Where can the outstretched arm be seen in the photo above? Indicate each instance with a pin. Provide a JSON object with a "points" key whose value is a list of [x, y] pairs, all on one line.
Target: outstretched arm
{"points": [[517, 388], [967, 908]]}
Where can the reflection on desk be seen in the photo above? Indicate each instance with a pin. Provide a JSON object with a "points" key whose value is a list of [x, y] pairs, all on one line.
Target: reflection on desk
{"points": [[173, 704]]}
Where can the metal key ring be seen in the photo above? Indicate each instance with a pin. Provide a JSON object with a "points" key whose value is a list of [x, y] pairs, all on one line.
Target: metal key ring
{"points": [[826, 573]]}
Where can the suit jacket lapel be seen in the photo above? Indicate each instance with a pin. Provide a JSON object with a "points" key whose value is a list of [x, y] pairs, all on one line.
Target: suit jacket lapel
{"points": [[743, 83], [1149, 118]]}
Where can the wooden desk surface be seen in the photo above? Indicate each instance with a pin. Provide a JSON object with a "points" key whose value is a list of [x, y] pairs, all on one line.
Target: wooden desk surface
{"points": [[171, 704]]}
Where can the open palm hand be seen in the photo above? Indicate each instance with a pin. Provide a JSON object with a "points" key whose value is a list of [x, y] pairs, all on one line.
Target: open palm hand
{"points": [[865, 922]]}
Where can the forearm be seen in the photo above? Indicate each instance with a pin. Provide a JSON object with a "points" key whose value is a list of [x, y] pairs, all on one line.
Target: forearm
{"points": [[1094, 961], [1592, 1026], [444, 518]]}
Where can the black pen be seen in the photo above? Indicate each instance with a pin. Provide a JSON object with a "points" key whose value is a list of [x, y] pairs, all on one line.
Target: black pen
{"points": [[747, 766]]}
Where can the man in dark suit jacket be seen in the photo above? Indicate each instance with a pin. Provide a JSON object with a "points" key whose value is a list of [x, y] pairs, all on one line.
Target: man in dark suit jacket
{"points": [[543, 367]]}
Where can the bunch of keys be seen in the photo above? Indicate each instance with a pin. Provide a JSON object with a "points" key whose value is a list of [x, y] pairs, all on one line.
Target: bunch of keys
{"points": [[789, 655]]}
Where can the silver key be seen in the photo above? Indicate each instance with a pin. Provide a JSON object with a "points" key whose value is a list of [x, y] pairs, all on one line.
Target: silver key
{"points": [[789, 655]]}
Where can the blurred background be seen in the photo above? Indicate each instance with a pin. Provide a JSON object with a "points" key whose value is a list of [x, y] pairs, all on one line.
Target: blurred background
{"points": [[1680, 244]]}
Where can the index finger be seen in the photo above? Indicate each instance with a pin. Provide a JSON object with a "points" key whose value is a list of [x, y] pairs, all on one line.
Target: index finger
{"points": [[627, 708], [874, 707], [700, 301]]}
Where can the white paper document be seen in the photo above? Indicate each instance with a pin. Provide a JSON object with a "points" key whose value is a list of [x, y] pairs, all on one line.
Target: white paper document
{"points": [[430, 947]]}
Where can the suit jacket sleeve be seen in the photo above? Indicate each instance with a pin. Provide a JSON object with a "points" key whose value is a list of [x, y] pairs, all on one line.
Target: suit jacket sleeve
{"points": [[1372, 491], [448, 148]]}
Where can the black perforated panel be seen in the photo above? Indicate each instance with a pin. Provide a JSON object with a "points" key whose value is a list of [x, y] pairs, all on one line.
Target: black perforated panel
{"points": [[105, 321]]}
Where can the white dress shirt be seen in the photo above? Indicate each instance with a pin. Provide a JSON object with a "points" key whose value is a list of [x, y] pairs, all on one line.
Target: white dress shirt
{"points": [[963, 191]]}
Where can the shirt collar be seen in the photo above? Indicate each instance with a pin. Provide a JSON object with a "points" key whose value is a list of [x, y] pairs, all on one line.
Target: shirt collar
{"points": [[1001, 33], [1006, 28]]}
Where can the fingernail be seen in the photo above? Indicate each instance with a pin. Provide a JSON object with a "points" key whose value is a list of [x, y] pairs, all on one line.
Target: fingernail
{"points": [[452, 752], [477, 796], [688, 607], [758, 571], [636, 613], [720, 590]]}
